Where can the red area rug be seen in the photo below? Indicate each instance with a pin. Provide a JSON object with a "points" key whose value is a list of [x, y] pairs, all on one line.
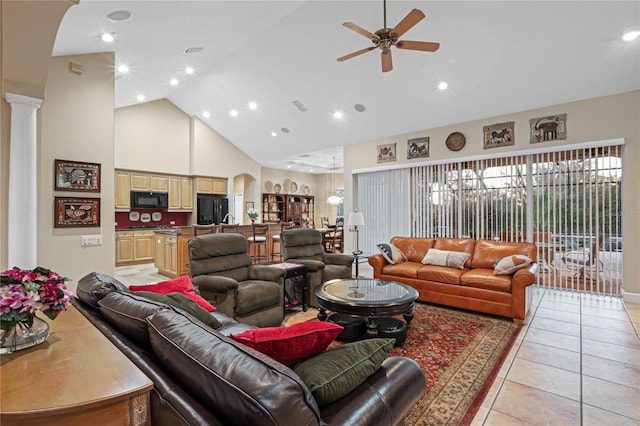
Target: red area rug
{"points": [[461, 353]]}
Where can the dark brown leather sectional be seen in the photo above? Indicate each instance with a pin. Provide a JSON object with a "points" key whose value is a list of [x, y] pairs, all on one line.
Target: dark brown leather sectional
{"points": [[236, 385], [475, 287]]}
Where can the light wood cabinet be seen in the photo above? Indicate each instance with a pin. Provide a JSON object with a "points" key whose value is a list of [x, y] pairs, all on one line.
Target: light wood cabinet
{"points": [[149, 182], [211, 185], [172, 254], [159, 260], [123, 191], [180, 193], [135, 247], [124, 247]]}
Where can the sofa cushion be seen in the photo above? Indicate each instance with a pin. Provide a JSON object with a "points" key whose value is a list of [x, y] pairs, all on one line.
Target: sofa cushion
{"points": [[487, 253], [451, 259], [486, 279], [510, 264], [337, 371], [391, 253], [240, 384], [180, 284], [127, 313], [441, 274], [456, 244], [292, 344], [404, 269], [94, 286], [183, 302], [414, 248]]}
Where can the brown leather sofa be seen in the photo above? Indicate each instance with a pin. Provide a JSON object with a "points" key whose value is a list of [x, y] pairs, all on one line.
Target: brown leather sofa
{"points": [[475, 286], [238, 385]]}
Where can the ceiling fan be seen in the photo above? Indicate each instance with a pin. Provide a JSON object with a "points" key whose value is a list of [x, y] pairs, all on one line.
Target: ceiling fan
{"points": [[385, 37]]}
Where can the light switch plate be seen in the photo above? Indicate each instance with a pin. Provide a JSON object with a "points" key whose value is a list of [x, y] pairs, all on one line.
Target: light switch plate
{"points": [[91, 240]]}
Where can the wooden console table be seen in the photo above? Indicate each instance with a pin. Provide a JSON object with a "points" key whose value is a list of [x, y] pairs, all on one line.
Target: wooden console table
{"points": [[76, 377]]}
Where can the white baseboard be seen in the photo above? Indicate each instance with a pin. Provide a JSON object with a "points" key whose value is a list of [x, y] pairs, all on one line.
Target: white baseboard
{"points": [[631, 297]]}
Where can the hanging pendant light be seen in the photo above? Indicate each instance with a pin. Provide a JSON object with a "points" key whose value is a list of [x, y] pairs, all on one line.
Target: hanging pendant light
{"points": [[334, 200]]}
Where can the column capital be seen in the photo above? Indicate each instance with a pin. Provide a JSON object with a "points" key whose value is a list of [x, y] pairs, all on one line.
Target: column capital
{"points": [[13, 98]]}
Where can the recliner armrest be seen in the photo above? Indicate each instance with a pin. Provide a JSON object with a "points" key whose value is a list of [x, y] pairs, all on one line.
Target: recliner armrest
{"points": [[312, 265], [338, 259], [214, 283], [265, 273]]}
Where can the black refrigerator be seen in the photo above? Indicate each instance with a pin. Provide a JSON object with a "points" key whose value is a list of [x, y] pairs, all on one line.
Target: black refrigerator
{"points": [[212, 209]]}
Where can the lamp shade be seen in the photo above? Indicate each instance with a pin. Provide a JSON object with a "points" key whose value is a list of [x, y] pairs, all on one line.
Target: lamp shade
{"points": [[355, 219]]}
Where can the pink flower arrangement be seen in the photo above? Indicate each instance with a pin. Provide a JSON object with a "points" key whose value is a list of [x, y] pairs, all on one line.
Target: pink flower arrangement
{"points": [[22, 292]]}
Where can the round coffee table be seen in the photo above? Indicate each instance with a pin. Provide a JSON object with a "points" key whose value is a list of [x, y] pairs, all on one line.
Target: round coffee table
{"points": [[374, 299]]}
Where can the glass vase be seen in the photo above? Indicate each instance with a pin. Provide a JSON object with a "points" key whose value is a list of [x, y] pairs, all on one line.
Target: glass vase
{"points": [[27, 333]]}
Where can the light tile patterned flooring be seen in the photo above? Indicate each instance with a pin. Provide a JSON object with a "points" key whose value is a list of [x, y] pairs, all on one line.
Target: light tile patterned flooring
{"points": [[576, 361]]}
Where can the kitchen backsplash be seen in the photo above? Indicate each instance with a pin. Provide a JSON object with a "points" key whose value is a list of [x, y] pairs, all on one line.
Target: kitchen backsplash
{"points": [[150, 217]]}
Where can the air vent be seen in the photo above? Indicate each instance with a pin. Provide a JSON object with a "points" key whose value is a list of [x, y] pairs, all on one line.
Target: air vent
{"points": [[284, 130], [194, 50], [300, 106], [119, 16]]}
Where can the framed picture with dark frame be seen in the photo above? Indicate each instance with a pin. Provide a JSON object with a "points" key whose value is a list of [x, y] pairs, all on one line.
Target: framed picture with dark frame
{"points": [[418, 147], [76, 212], [76, 176]]}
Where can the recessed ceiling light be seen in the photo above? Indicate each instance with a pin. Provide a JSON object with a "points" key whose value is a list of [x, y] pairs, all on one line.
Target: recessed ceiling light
{"points": [[189, 70], [631, 35], [140, 97], [123, 69], [337, 115], [443, 85], [274, 134], [234, 113], [359, 107], [288, 166], [119, 15], [107, 37], [253, 105], [173, 82], [206, 114]]}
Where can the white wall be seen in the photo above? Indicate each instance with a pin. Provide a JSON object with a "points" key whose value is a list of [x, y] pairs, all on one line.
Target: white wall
{"points": [[596, 119], [76, 124]]}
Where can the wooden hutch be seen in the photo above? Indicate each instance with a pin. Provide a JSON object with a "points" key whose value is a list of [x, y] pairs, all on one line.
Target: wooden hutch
{"points": [[287, 208]]}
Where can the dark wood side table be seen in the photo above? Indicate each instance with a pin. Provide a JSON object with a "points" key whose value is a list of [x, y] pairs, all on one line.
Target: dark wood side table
{"points": [[294, 270]]}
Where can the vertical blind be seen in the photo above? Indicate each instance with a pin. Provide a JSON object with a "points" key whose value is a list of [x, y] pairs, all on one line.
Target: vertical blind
{"points": [[567, 202]]}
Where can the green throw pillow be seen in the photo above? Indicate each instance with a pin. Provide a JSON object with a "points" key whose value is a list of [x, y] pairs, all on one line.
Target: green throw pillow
{"points": [[183, 302], [334, 373]]}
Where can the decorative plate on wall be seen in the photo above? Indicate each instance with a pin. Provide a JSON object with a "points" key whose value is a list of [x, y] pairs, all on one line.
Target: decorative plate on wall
{"points": [[277, 188], [145, 217], [293, 187], [156, 216], [134, 216], [456, 141]]}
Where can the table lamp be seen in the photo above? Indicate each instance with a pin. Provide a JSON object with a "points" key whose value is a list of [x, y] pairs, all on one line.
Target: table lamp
{"points": [[356, 219]]}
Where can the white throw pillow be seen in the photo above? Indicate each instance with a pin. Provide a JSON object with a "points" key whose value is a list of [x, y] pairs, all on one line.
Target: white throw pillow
{"points": [[510, 264], [391, 253], [452, 259]]}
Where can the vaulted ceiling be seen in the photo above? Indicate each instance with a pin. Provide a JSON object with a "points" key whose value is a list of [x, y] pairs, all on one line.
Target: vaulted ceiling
{"points": [[497, 57]]}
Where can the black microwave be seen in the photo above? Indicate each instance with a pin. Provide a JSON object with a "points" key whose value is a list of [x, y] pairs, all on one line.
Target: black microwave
{"points": [[149, 200]]}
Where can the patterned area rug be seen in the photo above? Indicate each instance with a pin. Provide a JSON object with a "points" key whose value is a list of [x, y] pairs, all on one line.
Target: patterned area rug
{"points": [[460, 352]]}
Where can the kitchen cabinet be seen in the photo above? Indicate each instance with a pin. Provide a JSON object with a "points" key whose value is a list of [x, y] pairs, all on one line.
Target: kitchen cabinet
{"points": [[134, 247], [180, 193], [123, 191], [172, 254], [159, 259], [149, 182], [211, 185]]}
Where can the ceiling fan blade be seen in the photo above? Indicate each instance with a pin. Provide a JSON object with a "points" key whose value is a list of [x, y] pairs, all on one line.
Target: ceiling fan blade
{"points": [[407, 23], [425, 46], [361, 31], [387, 63], [359, 52]]}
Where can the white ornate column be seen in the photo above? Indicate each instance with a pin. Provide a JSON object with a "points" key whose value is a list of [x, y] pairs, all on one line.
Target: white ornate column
{"points": [[23, 182]]}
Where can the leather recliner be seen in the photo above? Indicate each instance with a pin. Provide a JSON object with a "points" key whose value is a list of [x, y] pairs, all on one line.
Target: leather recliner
{"points": [[221, 267], [304, 245]]}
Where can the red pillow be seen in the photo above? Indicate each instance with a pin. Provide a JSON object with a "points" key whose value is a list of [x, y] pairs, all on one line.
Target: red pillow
{"points": [[177, 285], [290, 345]]}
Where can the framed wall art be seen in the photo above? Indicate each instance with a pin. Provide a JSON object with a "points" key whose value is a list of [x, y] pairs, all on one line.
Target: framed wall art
{"points": [[497, 135], [550, 128], [387, 153], [76, 212], [418, 148], [76, 176]]}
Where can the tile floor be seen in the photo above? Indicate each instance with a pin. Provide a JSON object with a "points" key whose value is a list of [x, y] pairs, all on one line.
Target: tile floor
{"points": [[576, 361]]}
